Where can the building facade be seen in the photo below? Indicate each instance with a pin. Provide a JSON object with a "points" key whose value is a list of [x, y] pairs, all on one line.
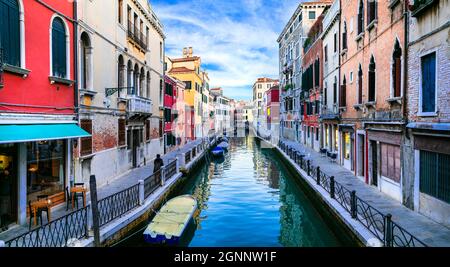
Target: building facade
{"points": [[291, 42], [123, 113], [426, 157], [329, 113], [372, 88], [38, 122], [259, 88]]}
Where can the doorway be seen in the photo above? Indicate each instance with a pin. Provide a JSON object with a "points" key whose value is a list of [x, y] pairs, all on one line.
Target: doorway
{"points": [[373, 145], [361, 155], [8, 185]]}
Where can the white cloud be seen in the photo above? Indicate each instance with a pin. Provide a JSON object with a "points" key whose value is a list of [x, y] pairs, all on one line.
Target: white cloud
{"points": [[237, 36]]}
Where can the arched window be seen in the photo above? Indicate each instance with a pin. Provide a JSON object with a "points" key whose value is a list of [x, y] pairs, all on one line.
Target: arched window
{"points": [[59, 49], [360, 84], [372, 79], [142, 82], [371, 11], [136, 80], [361, 17], [10, 32], [121, 72], [130, 76], [343, 94], [344, 36], [397, 70], [85, 62]]}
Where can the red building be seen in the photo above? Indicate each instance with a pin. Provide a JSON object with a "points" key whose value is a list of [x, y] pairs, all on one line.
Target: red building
{"points": [[312, 85], [273, 106], [170, 101], [37, 103]]}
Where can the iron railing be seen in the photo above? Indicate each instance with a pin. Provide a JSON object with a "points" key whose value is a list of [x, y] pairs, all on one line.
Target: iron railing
{"points": [[116, 205], [379, 224], [57, 233], [136, 35], [152, 183], [171, 170]]}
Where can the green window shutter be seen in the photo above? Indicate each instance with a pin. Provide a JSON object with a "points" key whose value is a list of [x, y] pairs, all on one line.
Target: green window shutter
{"points": [[443, 183], [59, 48], [10, 31], [435, 175]]}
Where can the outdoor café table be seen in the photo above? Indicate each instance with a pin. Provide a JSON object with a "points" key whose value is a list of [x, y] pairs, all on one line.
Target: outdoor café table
{"points": [[44, 203], [78, 189]]}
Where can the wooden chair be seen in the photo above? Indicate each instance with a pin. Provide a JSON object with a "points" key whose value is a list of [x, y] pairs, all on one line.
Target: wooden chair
{"points": [[76, 196], [38, 212]]}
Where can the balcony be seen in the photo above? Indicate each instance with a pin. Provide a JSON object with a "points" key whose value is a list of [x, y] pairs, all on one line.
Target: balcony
{"points": [[137, 104], [420, 6], [137, 36], [330, 113], [331, 15]]}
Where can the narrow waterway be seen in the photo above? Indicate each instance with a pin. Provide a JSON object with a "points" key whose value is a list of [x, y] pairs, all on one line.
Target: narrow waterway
{"points": [[249, 199]]}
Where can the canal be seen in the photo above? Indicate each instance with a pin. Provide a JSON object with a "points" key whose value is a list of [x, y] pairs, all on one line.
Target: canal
{"points": [[250, 199]]}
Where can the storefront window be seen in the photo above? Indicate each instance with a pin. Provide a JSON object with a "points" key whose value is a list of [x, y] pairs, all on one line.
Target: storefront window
{"points": [[45, 168], [327, 134], [8, 185], [336, 140], [347, 146]]}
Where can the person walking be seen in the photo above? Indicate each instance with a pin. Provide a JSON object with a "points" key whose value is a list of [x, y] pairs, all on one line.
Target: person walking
{"points": [[158, 163]]}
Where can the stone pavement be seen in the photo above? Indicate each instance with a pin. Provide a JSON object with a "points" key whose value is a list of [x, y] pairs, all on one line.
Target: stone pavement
{"points": [[124, 181], [425, 229]]}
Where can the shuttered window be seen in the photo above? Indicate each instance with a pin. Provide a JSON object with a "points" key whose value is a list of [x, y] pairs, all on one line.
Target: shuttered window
{"points": [[122, 132], [429, 83], [86, 142], [390, 162], [10, 32], [343, 94], [435, 175], [372, 79], [59, 58]]}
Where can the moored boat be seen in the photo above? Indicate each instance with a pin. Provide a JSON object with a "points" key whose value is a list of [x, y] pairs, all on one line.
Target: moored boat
{"points": [[218, 151], [223, 145], [169, 224]]}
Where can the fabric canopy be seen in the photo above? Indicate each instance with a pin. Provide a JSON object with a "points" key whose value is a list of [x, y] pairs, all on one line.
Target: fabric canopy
{"points": [[39, 132]]}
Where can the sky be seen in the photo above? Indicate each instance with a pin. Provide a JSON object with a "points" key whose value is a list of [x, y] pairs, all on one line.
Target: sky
{"points": [[236, 39]]}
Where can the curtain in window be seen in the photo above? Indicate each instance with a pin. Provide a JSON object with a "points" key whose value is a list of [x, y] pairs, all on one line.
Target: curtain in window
{"points": [[10, 32], [59, 48]]}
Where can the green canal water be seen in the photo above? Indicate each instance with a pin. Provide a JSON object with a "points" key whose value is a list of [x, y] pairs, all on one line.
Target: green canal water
{"points": [[249, 199]]}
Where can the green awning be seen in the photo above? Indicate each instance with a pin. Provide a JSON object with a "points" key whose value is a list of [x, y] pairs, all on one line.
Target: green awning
{"points": [[39, 132]]}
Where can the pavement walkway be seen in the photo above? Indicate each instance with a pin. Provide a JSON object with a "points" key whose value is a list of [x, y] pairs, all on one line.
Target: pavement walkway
{"points": [[427, 230], [124, 181]]}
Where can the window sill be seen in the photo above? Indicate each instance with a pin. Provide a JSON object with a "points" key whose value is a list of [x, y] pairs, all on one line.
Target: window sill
{"points": [[58, 80], [122, 147], [358, 106], [359, 37], [122, 100], [87, 157], [370, 104], [427, 114], [372, 25], [87, 92], [16, 70], [393, 100]]}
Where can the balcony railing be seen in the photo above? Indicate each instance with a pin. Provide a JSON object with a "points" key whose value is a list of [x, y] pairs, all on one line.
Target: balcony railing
{"points": [[329, 113], [137, 36], [331, 14], [137, 104]]}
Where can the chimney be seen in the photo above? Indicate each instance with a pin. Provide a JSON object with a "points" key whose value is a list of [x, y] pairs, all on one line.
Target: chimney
{"points": [[191, 51], [185, 52]]}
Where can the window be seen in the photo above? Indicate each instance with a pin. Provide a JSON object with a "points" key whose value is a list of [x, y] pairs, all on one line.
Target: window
{"points": [[347, 146], [147, 130], [312, 14], [188, 85], [343, 94], [161, 128], [360, 17], [360, 85], [335, 42], [129, 139], [167, 115], [326, 53], [397, 70], [428, 90], [344, 36], [86, 142], [122, 131], [85, 61], [259, 95], [59, 49], [325, 92], [317, 73], [390, 162], [169, 89], [372, 80], [120, 12], [317, 134], [435, 175], [10, 32], [371, 11], [351, 76], [335, 90]]}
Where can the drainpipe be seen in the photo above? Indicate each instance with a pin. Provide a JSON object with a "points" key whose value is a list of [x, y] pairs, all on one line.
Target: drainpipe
{"points": [[405, 68], [75, 58]]}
